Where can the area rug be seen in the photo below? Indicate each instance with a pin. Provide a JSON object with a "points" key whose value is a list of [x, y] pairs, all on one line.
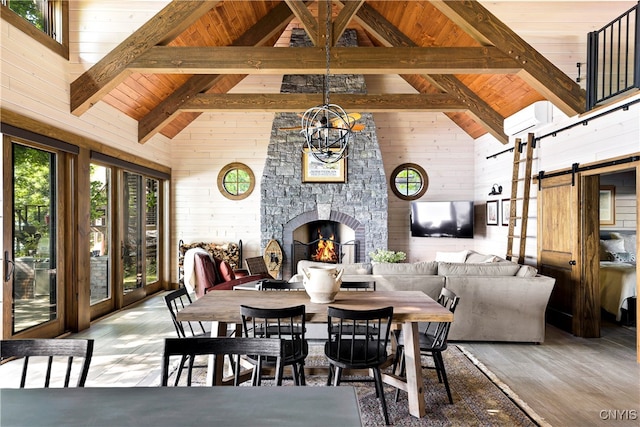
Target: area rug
{"points": [[480, 399]]}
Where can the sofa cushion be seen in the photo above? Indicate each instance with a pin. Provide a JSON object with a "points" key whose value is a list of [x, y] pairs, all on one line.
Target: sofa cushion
{"points": [[452, 256], [226, 272], [417, 268], [485, 269]]}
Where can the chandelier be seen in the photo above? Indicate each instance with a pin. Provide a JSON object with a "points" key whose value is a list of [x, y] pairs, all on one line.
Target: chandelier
{"points": [[327, 129]]}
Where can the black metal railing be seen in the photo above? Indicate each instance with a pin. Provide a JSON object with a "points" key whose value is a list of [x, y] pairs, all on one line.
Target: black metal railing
{"points": [[613, 58]]}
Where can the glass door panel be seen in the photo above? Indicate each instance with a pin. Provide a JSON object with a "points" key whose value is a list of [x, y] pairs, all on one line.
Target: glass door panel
{"points": [[151, 231], [100, 235], [132, 237], [34, 287]]}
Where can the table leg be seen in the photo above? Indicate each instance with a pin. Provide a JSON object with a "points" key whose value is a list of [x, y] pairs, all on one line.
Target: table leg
{"points": [[218, 329], [415, 389]]}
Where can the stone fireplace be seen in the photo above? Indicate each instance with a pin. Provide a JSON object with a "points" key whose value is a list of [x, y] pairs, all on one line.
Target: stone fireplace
{"points": [[291, 209]]}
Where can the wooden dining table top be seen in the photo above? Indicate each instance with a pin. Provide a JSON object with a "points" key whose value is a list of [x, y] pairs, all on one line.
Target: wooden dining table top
{"points": [[224, 306]]}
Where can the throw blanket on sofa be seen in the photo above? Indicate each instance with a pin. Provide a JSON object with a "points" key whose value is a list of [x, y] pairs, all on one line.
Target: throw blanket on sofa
{"points": [[189, 267]]}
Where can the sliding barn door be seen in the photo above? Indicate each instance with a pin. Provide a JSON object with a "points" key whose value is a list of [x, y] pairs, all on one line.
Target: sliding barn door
{"points": [[560, 256]]}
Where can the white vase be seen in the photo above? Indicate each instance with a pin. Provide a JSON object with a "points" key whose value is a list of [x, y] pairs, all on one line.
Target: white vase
{"points": [[322, 283]]}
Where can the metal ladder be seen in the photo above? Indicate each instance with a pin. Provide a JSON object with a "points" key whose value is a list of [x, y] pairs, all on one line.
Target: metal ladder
{"points": [[518, 217]]}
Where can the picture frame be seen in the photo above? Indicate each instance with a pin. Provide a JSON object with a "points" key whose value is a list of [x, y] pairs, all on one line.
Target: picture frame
{"points": [[607, 205], [313, 170], [506, 211], [492, 212]]}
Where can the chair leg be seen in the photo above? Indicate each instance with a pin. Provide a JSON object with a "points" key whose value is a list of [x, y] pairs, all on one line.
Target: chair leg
{"points": [[296, 374], [438, 355], [337, 375], [182, 362], [380, 393], [303, 380], [330, 374]]}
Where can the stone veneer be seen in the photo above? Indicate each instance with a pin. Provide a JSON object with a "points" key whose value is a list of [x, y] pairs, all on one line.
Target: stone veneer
{"points": [[286, 202]]}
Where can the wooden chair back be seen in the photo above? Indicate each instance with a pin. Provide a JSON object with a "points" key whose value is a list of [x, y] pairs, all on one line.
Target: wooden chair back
{"points": [[218, 347], [176, 301], [60, 349]]}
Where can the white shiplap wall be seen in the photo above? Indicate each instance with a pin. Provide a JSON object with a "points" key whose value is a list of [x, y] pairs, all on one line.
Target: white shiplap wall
{"points": [[35, 82], [612, 135]]}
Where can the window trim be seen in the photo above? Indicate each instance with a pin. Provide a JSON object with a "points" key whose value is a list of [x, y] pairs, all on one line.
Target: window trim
{"points": [[225, 170], [61, 48], [419, 170]]}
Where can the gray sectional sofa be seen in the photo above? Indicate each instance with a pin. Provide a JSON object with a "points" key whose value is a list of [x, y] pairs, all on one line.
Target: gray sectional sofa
{"points": [[499, 300]]}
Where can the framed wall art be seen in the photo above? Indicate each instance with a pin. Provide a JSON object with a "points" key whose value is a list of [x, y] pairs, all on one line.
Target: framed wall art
{"points": [[506, 211], [492, 212], [313, 170], [607, 205]]}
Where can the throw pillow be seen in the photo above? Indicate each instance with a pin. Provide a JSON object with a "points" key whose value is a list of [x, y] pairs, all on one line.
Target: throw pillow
{"points": [[478, 258], [452, 256], [226, 271], [622, 257], [527, 271], [629, 241], [610, 246]]}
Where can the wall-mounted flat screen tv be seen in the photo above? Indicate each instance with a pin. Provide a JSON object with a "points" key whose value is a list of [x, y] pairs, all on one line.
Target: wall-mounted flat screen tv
{"points": [[442, 219]]}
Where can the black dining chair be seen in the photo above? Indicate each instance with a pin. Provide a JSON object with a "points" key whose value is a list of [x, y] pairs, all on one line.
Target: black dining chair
{"points": [[53, 349], [284, 323], [433, 341], [258, 349], [176, 301], [348, 350]]}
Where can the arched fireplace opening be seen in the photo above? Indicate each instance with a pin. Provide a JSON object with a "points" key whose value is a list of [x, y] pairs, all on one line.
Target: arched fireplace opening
{"points": [[325, 241]]}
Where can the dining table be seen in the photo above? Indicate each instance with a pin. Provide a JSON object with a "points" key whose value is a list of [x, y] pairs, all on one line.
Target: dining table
{"points": [[222, 308], [179, 406]]}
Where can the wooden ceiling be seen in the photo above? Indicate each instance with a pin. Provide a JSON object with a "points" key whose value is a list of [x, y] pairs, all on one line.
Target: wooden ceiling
{"points": [[460, 58]]}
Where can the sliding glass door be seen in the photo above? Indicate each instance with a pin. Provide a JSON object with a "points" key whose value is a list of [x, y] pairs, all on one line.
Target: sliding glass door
{"points": [[139, 246], [34, 298], [100, 238]]}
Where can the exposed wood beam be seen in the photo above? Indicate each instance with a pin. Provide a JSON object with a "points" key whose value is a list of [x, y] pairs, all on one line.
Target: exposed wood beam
{"points": [[390, 36], [271, 24], [107, 73], [312, 60], [344, 17], [309, 22], [539, 72], [296, 102]]}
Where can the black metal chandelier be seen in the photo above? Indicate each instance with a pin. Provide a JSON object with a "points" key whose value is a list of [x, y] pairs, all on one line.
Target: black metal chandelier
{"points": [[327, 129]]}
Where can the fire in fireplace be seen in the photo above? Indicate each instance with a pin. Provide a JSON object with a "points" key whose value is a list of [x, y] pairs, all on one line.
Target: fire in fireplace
{"points": [[323, 236]]}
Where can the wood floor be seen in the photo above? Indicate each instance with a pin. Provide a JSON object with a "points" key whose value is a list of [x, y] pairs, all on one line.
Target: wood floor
{"points": [[568, 381]]}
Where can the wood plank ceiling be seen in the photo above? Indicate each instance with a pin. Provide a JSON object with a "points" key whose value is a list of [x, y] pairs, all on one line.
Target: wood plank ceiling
{"points": [[460, 58]]}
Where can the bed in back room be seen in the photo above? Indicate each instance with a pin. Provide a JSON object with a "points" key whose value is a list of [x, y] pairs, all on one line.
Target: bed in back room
{"points": [[618, 277]]}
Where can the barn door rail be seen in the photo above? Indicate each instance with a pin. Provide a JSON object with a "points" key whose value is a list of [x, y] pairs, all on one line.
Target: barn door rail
{"points": [[575, 168]]}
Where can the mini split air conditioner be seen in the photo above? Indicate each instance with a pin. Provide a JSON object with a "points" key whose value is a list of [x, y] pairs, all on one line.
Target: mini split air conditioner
{"points": [[529, 118]]}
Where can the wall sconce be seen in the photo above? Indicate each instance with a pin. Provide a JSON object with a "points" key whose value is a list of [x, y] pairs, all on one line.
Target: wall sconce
{"points": [[496, 190]]}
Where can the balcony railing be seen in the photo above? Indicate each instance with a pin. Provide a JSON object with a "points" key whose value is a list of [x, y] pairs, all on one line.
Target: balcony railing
{"points": [[613, 58]]}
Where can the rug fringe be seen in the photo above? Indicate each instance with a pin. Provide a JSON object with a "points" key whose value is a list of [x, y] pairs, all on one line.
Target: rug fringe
{"points": [[505, 389]]}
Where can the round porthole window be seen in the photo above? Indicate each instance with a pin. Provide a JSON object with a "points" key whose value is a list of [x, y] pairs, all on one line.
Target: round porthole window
{"points": [[409, 181], [236, 181]]}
